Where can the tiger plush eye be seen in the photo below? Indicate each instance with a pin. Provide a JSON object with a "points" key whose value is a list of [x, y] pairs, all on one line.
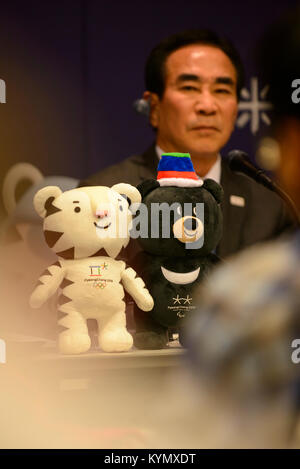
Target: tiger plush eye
{"points": [[77, 209]]}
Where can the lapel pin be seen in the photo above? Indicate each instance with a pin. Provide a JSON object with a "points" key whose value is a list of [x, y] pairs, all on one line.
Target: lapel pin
{"points": [[237, 201]]}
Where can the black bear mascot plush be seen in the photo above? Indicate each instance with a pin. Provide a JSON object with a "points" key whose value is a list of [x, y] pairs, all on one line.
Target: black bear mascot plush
{"points": [[180, 225]]}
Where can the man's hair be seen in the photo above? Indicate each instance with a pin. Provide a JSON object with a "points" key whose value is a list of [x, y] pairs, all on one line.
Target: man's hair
{"points": [[155, 70], [279, 62]]}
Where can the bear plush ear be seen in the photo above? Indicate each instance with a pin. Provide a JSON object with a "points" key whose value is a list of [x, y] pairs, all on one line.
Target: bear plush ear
{"points": [[214, 188], [129, 192], [147, 186], [43, 199]]}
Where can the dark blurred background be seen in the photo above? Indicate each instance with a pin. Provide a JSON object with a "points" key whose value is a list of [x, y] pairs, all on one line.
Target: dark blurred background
{"points": [[73, 69]]}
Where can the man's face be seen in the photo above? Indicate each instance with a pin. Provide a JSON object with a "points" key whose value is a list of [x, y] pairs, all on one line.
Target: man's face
{"points": [[199, 106]]}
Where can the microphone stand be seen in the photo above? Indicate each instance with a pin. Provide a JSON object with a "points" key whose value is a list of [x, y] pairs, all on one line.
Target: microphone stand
{"points": [[240, 163], [289, 202]]}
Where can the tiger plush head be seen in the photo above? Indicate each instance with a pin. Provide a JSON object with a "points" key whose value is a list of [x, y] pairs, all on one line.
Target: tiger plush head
{"points": [[86, 221]]}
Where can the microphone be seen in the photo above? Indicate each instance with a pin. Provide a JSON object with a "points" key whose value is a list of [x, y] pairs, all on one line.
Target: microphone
{"points": [[239, 162], [141, 106]]}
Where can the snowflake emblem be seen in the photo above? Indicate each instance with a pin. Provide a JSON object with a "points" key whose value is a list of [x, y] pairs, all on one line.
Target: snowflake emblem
{"points": [[187, 299], [254, 107], [176, 300]]}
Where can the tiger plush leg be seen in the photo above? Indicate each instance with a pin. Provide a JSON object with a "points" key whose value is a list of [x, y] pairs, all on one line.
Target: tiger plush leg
{"points": [[74, 338], [113, 335]]}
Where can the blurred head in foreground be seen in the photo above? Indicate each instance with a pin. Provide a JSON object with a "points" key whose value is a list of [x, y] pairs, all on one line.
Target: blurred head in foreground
{"points": [[242, 339], [278, 61]]}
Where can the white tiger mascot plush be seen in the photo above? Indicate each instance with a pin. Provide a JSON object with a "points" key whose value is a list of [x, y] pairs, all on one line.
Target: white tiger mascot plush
{"points": [[87, 228]]}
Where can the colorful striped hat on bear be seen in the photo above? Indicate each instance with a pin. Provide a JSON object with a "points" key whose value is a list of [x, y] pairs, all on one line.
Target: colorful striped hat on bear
{"points": [[176, 169]]}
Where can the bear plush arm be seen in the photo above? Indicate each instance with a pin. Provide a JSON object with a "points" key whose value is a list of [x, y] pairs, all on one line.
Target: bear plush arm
{"points": [[48, 283], [136, 288]]}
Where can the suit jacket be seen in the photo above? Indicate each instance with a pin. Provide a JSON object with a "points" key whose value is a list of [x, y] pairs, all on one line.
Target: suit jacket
{"points": [[251, 213]]}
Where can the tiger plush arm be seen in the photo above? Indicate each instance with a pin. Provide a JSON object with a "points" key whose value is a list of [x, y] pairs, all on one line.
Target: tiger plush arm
{"points": [[136, 288], [48, 283]]}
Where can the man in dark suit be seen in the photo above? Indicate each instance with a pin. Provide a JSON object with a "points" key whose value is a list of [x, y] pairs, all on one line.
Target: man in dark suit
{"points": [[193, 80]]}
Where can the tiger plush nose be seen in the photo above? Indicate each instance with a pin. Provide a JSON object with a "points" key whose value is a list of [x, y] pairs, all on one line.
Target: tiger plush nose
{"points": [[101, 213]]}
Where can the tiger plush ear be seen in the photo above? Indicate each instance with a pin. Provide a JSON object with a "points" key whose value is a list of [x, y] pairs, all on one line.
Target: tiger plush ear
{"points": [[129, 192], [43, 199]]}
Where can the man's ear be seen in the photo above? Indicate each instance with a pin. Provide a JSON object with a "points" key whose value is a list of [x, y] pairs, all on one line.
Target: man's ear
{"points": [[154, 104]]}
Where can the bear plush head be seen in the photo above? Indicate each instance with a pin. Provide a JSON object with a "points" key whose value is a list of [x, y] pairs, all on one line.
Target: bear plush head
{"points": [[192, 214], [87, 221]]}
